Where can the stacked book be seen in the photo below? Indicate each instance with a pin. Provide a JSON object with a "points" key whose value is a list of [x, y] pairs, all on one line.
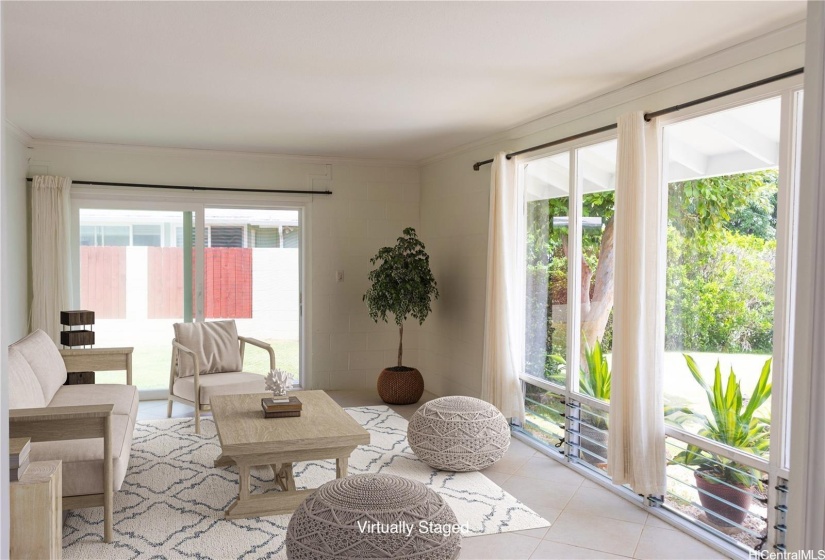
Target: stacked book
{"points": [[281, 407], [18, 457]]}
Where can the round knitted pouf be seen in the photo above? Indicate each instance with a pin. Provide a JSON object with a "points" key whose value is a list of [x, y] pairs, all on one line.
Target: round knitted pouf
{"points": [[458, 434], [368, 516]]}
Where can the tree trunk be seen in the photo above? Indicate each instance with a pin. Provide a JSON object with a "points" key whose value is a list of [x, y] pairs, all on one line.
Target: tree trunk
{"points": [[596, 310], [400, 343]]}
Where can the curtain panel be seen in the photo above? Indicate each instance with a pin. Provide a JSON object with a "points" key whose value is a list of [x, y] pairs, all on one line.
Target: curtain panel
{"points": [[636, 449], [504, 317], [51, 253]]}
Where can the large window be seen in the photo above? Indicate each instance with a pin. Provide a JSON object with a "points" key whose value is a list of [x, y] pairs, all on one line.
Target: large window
{"points": [[569, 259], [730, 178]]}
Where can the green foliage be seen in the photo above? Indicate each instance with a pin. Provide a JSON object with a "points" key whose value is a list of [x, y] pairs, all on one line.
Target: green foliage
{"points": [[402, 284], [720, 292], [594, 372], [594, 380], [706, 206], [733, 422]]}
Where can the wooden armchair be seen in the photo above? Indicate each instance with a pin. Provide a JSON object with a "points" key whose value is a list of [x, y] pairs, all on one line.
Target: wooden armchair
{"points": [[207, 360]]}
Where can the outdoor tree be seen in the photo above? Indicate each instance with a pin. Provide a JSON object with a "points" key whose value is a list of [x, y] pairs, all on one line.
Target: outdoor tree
{"points": [[701, 212]]}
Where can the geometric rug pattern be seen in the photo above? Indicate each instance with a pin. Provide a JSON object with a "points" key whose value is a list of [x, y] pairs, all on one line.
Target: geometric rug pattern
{"points": [[172, 501]]}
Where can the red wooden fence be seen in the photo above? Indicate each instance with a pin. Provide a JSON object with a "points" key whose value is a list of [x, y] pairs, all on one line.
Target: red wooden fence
{"points": [[103, 281], [227, 282]]}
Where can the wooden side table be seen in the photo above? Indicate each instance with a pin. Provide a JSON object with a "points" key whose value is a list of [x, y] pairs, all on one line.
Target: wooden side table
{"points": [[37, 512], [99, 359]]}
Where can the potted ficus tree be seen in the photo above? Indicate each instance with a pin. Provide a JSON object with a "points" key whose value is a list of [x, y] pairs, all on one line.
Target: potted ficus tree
{"points": [[733, 422], [404, 286]]}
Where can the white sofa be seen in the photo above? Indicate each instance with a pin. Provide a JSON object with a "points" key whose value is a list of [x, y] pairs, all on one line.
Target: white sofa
{"points": [[88, 427]]}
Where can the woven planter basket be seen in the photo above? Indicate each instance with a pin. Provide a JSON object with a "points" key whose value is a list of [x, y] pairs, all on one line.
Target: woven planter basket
{"points": [[400, 385], [332, 522], [458, 434]]}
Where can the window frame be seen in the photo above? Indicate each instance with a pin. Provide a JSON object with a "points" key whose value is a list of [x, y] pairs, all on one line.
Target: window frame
{"points": [[777, 465], [569, 392]]}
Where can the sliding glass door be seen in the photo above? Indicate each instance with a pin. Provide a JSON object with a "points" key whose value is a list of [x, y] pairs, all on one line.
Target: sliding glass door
{"points": [[142, 270]]}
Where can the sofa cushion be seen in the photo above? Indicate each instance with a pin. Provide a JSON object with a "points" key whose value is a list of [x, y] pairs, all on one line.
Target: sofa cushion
{"points": [[124, 397], [83, 458], [24, 388], [45, 360], [233, 383], [215, 343]]}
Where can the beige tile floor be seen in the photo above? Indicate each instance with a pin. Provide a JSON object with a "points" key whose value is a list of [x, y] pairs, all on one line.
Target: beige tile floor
{"points": [[587, 520]]}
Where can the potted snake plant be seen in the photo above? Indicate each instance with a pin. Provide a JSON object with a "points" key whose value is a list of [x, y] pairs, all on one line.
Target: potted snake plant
{"points": [[402, 285], [732, 422]]}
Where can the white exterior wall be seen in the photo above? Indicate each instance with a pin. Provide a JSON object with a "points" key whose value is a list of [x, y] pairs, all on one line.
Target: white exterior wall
{"points": [[275, 293]]}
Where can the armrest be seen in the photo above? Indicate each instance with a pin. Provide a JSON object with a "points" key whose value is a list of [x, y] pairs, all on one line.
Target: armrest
{"points": [[181, 348], [259, 344], [99, 359], [62, 422], [60, 413]]}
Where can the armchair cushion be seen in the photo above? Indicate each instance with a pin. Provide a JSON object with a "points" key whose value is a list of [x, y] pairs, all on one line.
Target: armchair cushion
{"points": [[24, 388], [233, 383], [83, 458], [123, 397], [215, 343], [45, 360]]}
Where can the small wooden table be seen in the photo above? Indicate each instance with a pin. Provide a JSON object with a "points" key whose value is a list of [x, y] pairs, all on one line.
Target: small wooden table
{"points": [[36, 512], [323, 431]]}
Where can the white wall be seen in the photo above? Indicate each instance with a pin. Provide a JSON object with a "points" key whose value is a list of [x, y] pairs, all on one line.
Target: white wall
{"points": [[13, 287], [371, 203], [455, 199], [15, 243]]}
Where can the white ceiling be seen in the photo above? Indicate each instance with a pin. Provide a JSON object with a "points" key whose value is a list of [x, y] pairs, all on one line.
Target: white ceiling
{"points": [[388, 80]]}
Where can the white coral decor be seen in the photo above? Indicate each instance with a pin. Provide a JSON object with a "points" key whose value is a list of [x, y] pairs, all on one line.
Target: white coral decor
{"points": [[278, 381]]}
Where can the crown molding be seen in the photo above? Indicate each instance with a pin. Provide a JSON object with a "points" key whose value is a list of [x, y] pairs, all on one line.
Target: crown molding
{"points": [[21, 135], [787, 37], [201, 153]]}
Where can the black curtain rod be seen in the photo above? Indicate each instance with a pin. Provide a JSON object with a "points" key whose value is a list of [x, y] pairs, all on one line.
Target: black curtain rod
{"points": [[652, 115], [192, 188]]}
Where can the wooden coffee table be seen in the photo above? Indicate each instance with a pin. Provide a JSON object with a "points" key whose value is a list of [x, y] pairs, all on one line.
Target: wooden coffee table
{"points": [[323, 431]]}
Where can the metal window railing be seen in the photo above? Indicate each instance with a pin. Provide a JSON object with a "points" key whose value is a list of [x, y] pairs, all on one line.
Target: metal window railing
{"points": [[725, 497], [733, 506]]}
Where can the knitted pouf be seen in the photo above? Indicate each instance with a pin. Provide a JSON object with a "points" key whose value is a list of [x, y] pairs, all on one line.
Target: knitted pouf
{"points": [[369, 516], [458, 434]]}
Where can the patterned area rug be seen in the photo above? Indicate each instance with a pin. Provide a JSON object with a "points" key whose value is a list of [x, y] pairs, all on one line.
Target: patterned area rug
{"points": [[172, 501]]}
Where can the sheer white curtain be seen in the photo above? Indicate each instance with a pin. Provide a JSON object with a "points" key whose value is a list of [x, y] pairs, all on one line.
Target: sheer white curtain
{"points": [[636, 449], [51, 253], [504, 319]]}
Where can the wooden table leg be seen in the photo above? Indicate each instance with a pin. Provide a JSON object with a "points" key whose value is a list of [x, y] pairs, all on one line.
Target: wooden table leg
{"points": [[284, 477], [341, 464], [223, 461], [243, 491]]}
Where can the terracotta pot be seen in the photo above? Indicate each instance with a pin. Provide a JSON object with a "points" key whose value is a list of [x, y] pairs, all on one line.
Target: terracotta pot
{"points": [[400, 385], [723, 514]]}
